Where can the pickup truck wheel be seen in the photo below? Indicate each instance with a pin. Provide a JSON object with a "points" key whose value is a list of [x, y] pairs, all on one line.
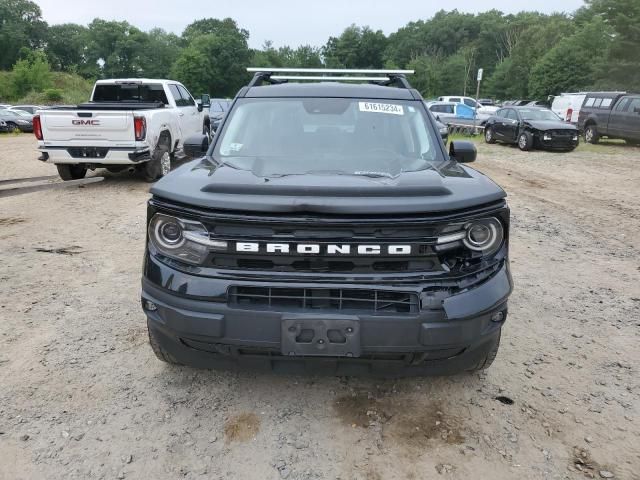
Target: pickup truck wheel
{"points": [[71, 172], [158, 166], [160, 352], [488, 135], [591, 134], [486, 362], [525, 141]]}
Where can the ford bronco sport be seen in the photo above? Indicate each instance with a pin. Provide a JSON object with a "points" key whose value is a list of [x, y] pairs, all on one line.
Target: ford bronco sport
{"points": [[327, 228]]}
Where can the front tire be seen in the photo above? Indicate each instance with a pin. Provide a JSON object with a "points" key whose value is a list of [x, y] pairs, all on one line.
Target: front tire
{"points": [[488, 359], [160, 352], [71, 172], [12, 127], [525, 141], [488, 135], [158, 166], [591, 134]]}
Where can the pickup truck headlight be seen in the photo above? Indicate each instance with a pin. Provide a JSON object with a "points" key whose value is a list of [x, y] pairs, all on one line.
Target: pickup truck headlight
{"points": [[184, 240], [483, 235]]}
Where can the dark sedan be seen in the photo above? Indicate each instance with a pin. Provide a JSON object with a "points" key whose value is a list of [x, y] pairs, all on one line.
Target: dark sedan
{"points": [[219, 107], [14, 121], [530, 127]]}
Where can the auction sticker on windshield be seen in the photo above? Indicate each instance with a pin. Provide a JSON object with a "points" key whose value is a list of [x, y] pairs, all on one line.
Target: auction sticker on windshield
{"points": [[381, 108]]}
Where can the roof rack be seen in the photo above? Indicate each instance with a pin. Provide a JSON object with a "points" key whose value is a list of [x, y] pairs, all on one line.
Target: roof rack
{"points": [[378, 77]]}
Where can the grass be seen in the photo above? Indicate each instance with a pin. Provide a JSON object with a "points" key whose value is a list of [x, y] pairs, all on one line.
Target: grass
{"points": [[74, 88]]}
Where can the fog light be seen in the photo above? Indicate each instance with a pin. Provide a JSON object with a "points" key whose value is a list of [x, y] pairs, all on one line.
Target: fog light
{"points": [[547, 136], [497, 317], [149, 305]]}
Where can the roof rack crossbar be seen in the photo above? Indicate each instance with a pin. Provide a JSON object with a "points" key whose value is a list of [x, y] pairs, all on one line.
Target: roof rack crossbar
{"points": [[344, 71], [378, 77]]}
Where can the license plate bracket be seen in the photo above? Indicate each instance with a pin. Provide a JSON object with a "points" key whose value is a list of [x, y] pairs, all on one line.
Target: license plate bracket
{"points": [[320, 337]]}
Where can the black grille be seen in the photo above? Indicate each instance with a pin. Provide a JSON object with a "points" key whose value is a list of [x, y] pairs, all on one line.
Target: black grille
{"points": [[323, 299]]}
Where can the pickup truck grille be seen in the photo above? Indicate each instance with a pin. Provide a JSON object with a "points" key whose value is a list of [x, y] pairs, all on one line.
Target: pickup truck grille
{"points": [[334, 299]]}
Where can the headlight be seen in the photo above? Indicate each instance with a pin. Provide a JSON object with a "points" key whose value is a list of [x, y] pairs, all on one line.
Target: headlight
{"points": [[547, 136], [484, 235], [184, 240], [575, 138]]}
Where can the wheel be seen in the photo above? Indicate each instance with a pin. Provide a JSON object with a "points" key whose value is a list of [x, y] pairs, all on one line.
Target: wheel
{"points": [[12, 127], [160, 352], [71, 172], [525, 141], [206, 129], [591, 134], [486, 362], [158, 166], [488, 135]]}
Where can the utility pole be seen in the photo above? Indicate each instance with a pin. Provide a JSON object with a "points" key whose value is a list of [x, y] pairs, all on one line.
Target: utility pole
{"points": [[479, 79]]}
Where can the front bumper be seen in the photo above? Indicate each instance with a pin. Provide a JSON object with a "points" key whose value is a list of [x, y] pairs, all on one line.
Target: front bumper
{"points": [[557, 143], [210, 332]]}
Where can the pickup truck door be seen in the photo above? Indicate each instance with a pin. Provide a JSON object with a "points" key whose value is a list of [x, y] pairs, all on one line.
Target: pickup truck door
{"points": [[624, 121], [188, 115], [191, 113]]}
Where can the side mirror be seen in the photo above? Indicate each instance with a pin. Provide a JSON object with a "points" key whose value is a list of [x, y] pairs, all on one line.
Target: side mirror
{"points": [[463, 151], [205, 100], [200, 107], [196, 145]]}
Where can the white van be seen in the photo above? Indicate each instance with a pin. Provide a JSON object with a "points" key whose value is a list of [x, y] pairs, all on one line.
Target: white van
{"points": [[567, 106]]}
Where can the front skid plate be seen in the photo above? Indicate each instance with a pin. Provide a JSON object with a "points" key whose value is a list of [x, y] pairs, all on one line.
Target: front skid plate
{"points": [[318, 337]]}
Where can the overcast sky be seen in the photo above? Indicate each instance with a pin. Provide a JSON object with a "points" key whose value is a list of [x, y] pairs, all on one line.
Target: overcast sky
{"points": [[285, 22]]}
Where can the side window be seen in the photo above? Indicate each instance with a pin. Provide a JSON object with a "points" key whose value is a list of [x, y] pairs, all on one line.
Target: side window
{"points": [[589, 102], [597, 102], [175, 93], [606, 103], [435, 108], [470, 102], [511, 114], [634, 105], [449, 109], [622, 105], [454, 99], [186, 97], [501, 113]]}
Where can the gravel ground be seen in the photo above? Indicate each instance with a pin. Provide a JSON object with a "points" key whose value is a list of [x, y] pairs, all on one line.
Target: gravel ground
{"points": [[83, 397]]}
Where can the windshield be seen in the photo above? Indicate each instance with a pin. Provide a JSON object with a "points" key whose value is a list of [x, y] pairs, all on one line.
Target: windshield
{"points": [[538, 114], [131, 92], [297, 136]]}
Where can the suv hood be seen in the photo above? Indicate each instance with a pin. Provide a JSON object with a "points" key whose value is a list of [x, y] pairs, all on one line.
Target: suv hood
{"points": [[204, 184]]}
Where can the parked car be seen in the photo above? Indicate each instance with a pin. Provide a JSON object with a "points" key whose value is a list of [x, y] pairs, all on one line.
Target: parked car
{"points": [[537, 103], [530, 127], [443, 130], [470, 102], [32, 109], [449, 112], [15, 121], [327, 225], [567, 106], [128, 123], [4, 106], [487, 102], [611, 115], [217, 110]]}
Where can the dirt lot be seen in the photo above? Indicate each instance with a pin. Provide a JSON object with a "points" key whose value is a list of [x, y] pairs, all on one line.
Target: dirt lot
{"points": [[82, 396]]}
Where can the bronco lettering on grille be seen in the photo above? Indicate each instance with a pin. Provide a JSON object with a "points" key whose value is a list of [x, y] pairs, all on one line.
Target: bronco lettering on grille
{"points": [[322, 249]]}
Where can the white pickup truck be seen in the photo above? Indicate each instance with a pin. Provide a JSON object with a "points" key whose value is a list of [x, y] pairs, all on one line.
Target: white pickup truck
{"points": [[128, 123]]}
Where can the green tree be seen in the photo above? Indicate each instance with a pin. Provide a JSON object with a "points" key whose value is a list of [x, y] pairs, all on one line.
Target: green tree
{"points": [[214, 63], [66, 46], [572, 63], [31, 74], [356, 47], [213, 26], [21, 26], [162, 50], [622, 70]]}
